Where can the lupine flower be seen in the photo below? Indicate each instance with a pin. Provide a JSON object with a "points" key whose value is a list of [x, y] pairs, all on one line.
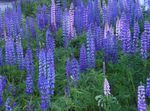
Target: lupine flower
{"points": [[50, 42], [53, 15], [148, 87], [30, 71], [97, 12], [71, 21], [90, 49], [118, 28], [83, 57], [106, 87], [58, 13], [144, 46], [135, 37], [50, 70], [1, 24], [19, 51], [147, 32], [43, 83], [138, 10], [10, 57], [141, 98], [75, 71], [42, 17], [98, 38], [29, 107], [9, 105], [68, 69], [85, 18], [1, 57], [65, 28], [1, 90], [67, 91], [31, 26], [12, 89]]}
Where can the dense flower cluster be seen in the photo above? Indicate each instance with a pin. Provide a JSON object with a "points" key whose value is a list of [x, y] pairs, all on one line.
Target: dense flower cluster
{"points": [[141, 98]]}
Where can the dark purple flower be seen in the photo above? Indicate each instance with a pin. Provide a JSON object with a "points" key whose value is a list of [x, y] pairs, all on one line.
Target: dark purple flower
{"points": [[50, 42], [42, 17], [68, 68], [147, 32], [12, 89], [144, 46], [1, 57], [9, 104], [30, 70], [65, 28], [135, 37], [148, 87], [10, 57], [141, 98], [53, 16], [98, 38], [31, 26], [75, 71], [43, 83], [83, 57], [19, 52], [50, 70], [90, 43], [58, 13]]}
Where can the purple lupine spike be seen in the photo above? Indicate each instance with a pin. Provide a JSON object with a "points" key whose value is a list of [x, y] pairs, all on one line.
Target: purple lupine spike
{"points": [[58, 13], [50, 42], [135, 37], [141, 98], [106, 87], [118, 28], [148, 87], [68, 69], [83, 57], [68, 74], [97, 12], [90, 12], [50, 70], [10, 104], [144, 46], [42, 17], [1, 57], [126, 41], [10, 57], [31, 26], [85, 18], [90, 49], [43, 81], [75, 71], [78, 19], [71, 21], [42, 65], [12, 89], [65, 28], [44, 91], [1, 24], [98, 38], [19, 51], [147, 32], [138, 10], [125, 34], [53, 15], [30, 71], [1, 90], [30, 106]]}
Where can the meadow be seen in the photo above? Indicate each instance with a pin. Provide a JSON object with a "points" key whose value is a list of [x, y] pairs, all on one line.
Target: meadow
{"points": [[75, 55]]}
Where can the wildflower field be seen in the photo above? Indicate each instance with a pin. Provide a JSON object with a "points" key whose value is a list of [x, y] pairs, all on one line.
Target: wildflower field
{"points": [[75, 55]]}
